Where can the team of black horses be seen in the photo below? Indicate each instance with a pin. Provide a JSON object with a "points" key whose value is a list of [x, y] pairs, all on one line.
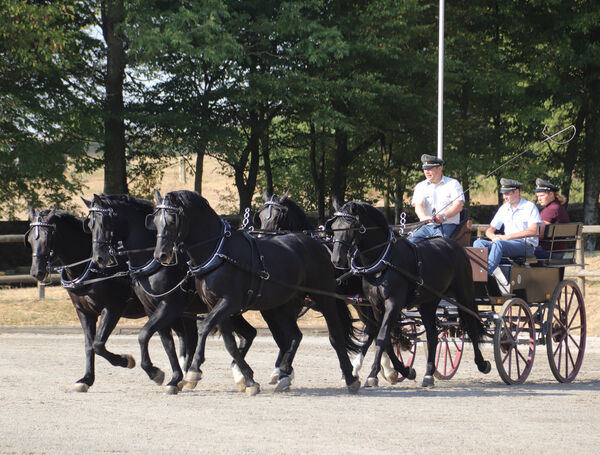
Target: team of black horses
{"points": [[181, 265]]}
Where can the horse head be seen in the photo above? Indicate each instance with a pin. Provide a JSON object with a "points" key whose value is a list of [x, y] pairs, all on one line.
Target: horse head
{"points": [[272, 215], [344, 227], [40, 237], [169, 222], [102, 224]]}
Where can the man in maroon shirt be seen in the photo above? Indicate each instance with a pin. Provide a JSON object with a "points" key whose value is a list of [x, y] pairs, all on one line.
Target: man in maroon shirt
{"points": [[553, 212]]}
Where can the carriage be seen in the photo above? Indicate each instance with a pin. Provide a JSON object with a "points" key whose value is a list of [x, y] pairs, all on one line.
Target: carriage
{"points": [[543, 308]]}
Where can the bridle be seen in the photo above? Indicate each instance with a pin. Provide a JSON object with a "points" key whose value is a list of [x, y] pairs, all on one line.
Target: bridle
{"points": [[269, 205], [35, 227], [109, 235], [355, 225], [178, 213]]}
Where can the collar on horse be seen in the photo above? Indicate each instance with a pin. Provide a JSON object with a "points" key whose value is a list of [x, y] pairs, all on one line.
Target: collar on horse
{"points": [[379, 265], [217, 257]]}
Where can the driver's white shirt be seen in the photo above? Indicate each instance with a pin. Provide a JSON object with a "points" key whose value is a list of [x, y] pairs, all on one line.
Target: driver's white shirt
{"points": [[439, 196]]}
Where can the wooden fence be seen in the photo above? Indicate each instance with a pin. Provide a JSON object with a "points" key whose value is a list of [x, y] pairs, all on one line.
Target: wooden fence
{"points": [[579, 273]]}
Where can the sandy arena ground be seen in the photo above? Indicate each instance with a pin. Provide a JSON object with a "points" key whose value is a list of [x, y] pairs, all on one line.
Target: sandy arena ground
{"points": [[124, 412]]}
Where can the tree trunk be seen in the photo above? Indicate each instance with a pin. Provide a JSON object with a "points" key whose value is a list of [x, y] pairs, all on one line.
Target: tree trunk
{"points": [[115, 162], [246, 184], [570, 159], [591, 186], [341, 160], [317, 169], [199, 171], [266, 154]]}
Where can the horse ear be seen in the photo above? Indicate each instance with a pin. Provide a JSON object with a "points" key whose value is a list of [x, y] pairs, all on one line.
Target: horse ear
{"points": [[266, 195], [31, 214], [86, 202], [336, 204], [157, 197], [284, 195]]}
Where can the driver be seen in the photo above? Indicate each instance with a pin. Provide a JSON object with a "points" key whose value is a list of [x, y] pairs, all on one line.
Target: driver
{"points": [[438, 200], [521, 220]]}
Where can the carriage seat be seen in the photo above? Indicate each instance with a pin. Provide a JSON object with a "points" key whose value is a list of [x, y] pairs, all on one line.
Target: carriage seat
{"points": [[562, 242], [462, 234]]}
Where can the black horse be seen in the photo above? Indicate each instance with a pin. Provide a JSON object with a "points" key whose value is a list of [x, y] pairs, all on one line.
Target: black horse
{"points": [[236, 272], [57, 239], [282, 214], [397, 274], [167, 292]]}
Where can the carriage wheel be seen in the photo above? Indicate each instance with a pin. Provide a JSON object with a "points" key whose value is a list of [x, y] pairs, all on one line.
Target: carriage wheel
{"points": [[407, 357], [565, 340], [514, 342], [449, 351]]}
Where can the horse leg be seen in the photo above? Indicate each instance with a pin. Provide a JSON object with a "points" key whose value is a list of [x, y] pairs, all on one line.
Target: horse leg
{"points": [[472, 325], [157, 321], [176, 383], [339, 325], [398, 366], [390, 315], [370, 332], [280, 339], [188, 338], [247, 384], [88, 324], [108, 322], [287, 324], [428, 316], [222, 310], [246, 334]]}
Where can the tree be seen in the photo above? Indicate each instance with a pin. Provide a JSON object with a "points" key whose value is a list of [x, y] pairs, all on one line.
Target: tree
{"points": [[44, 125]]}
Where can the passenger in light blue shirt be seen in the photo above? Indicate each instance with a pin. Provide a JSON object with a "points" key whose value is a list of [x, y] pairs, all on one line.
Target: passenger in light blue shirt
{"points": [[521, 220]]}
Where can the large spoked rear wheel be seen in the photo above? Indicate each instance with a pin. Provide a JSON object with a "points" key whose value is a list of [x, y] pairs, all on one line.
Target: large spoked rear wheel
{"points": [[405, 346], [565, 341], [449, 351], [514, 342]]}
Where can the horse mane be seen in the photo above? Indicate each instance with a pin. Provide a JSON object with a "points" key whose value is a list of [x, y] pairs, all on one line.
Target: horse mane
{"points": [[299, 215], [122, 200], [61, 216], [363, 209], [188, 200]]}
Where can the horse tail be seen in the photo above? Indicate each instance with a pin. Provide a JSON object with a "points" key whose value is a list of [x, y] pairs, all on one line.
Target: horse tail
{"points": [[470, 321], [351, 332]]}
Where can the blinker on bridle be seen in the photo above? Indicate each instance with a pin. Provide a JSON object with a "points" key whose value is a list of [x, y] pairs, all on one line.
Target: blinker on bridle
{"points": [[35, 226], [112, 261], [178, 214]]}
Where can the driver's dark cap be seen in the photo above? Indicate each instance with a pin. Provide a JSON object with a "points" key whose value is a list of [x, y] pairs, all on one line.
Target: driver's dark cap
{"points": [[429, 161], [543, 186], [507, 185]]}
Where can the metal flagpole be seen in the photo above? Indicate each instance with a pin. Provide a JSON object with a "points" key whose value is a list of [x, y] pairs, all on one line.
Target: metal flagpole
{"points": [[440, 135]]}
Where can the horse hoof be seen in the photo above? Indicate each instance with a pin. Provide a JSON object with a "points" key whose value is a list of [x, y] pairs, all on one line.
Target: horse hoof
{"points": [[81, 387], [274, 376], [253, 389], [412, 374], [180, 385], [427, 381], [171, 390], [283, 385], [392, 377], [354, 387], [237, 374], [486, 368], [130, 361], [372, 382], [189, 385], [193, 376], [241, 385], [159, 377]]}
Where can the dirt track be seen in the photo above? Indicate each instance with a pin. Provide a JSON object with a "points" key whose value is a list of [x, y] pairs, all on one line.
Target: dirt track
{"points": [[126, 413]]}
